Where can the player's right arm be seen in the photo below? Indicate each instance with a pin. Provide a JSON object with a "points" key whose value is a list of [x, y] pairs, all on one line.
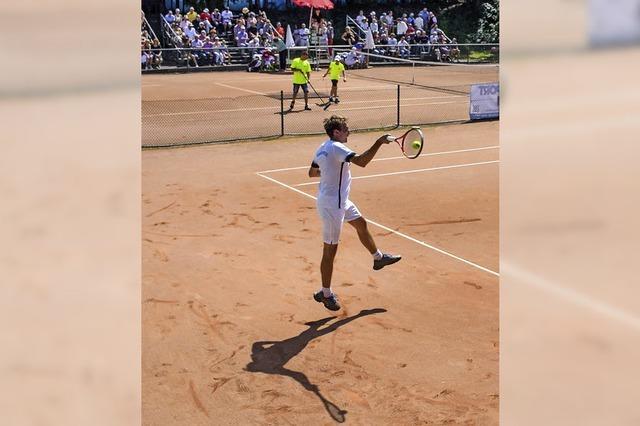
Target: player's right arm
{"points": [[363, 159]]}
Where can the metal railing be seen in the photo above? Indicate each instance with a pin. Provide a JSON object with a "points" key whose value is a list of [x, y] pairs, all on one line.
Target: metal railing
{"points": [[186, 58], [168, 35], [361, 32], [149, 28]]}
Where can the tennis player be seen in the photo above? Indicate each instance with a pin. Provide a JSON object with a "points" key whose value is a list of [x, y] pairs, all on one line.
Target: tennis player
{"points": [[335, 69], [332, 162], [301, 75]]}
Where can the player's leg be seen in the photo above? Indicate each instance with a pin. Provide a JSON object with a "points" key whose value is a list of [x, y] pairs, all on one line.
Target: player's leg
{"points": [[334, 92], [296, 87], [326, 265], [331, 227], [355, 219], [305, 89], [365, 237]]}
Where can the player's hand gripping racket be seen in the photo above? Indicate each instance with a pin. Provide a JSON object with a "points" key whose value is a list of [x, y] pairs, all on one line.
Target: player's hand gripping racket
{"points": [[411, 142]]}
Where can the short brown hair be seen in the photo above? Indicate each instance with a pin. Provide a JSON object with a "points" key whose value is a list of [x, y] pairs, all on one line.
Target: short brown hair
{"points": [[335, 122]]}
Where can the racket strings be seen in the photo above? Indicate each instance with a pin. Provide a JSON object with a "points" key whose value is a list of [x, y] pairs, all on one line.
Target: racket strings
{"points": [[412, 143]]}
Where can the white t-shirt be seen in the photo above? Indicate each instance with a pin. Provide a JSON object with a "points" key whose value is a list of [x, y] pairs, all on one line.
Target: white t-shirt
{"points": [[227, 15], [402, 28], [334, 160]]}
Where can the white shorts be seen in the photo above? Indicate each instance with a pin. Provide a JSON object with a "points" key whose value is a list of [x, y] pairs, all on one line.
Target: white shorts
{"points": [[333, 218]]}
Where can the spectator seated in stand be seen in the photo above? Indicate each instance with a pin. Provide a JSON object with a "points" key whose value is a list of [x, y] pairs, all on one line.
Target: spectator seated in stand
{"points": [[156, 54], [269, 60], [353, 59], [454, 52], [349, 36], [255, 64], [403, 48]]}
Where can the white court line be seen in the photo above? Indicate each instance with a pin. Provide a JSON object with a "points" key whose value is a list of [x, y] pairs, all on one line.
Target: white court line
{"points": [[394, 101], [240, 88], [403, 105], [521, 275], [455, 166], [422, 243], [395, 158], [210, 111]]}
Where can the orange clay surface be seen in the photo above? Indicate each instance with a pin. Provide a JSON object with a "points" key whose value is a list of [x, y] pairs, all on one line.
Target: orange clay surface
{"points": [[231, 334]]}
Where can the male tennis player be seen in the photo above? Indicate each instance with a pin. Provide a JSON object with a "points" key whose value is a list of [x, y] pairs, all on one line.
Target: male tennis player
{"points": [[332, 163], [301, 75], [335, 69]]}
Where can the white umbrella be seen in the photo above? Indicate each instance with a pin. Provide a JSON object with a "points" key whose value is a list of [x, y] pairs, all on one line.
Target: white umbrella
{"points": [[289, 41], [369, 43]]}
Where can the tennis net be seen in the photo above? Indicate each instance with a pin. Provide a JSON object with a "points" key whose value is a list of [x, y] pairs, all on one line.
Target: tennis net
{"points": [[446, 77]]}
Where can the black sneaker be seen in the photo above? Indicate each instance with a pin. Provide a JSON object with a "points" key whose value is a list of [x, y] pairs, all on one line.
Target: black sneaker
{"points": [[387, 259], [306, 108], [337, 101], [331, 302]]}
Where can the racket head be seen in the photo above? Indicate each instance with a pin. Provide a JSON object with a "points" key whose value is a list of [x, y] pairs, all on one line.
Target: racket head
{"points": [[412, 142]]}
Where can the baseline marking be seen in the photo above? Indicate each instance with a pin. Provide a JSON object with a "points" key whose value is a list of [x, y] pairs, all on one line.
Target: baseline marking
{"points": [[394, 158], [455, 166], [422, 243]]}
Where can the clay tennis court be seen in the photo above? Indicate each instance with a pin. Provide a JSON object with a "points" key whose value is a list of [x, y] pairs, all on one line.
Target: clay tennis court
{"points": [[231, 252], [220, 106]]}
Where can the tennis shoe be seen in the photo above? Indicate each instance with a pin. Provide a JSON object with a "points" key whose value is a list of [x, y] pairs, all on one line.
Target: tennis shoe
{"points": [[386, 259], [337, 101], [306, 108], [331, 302]]}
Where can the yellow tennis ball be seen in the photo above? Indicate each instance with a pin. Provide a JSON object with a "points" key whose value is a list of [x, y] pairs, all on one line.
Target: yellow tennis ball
{"points": [[416, 144]]}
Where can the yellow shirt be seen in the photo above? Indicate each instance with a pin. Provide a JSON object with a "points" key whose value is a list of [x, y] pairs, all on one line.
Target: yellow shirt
{"points": [[298, 65], [335, 69], [191, 16]]}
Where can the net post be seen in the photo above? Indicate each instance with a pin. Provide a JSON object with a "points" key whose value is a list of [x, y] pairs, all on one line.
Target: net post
{"points": [[281, 113], [398, 108]]}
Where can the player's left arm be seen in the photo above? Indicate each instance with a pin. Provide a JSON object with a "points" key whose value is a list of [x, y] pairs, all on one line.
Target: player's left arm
{"points": [[314, 170]]}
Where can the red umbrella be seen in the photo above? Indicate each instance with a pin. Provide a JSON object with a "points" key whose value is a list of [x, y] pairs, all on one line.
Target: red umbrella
{"points": [[317, 4]]}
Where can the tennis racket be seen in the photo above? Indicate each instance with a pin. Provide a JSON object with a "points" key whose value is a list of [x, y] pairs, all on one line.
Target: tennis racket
{"points": [[411, 142]]}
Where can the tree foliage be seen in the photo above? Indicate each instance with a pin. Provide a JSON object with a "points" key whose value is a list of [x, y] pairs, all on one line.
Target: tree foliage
{"points": [[489, 23]]}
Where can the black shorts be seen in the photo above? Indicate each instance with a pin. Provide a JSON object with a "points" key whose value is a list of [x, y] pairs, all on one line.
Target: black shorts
{"points": [[334, 83], [297, 87]]}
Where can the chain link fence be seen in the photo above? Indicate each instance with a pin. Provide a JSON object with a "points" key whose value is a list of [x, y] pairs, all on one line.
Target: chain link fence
{"points": [[168, 123]]}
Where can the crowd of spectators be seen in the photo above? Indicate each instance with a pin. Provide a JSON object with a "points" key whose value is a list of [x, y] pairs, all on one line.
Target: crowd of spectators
{"points": [[401, 36], [207, 35]]}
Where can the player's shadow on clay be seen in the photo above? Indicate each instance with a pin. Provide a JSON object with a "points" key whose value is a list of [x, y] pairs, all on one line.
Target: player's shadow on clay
{"points": [[269, 357]]}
